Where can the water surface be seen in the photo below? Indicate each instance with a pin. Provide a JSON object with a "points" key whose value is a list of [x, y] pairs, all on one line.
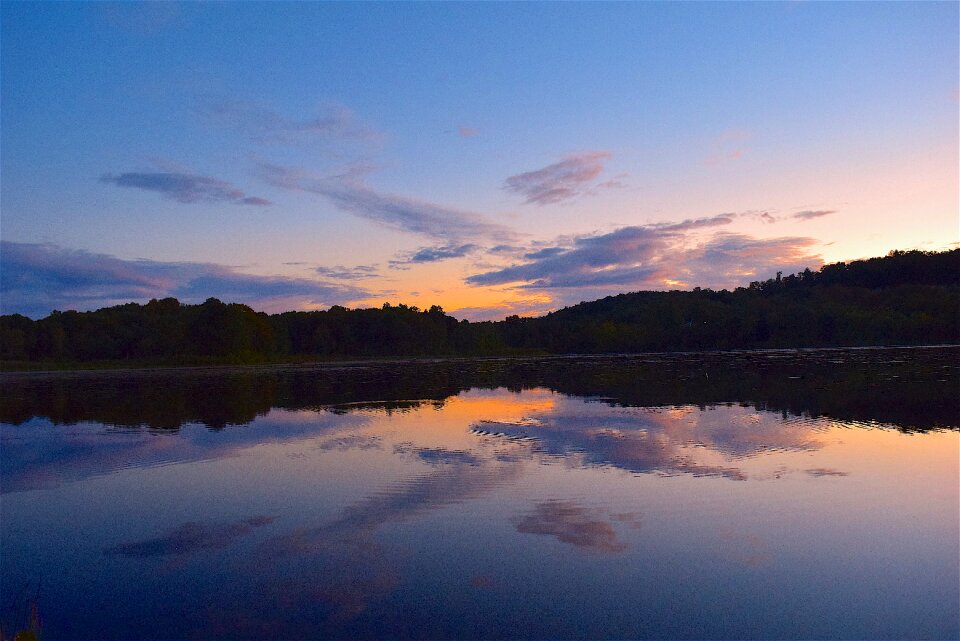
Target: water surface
{"points": [[781, 494]]}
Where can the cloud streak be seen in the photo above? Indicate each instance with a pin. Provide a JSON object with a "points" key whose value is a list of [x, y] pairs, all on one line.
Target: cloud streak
{"points": [[811, 214], [332, 123], [358, 272], [38, 278], [185, 188], [348, 193], [559, 182]]}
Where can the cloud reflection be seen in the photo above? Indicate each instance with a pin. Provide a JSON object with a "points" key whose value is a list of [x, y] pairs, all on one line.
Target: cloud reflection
{"points": [[36, 457], [665, 441], [571, 523], [825, 471], [356, 568], [190, 538]]}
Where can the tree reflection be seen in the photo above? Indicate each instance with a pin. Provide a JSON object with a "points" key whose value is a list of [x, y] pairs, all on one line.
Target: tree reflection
{"points": [[911, 388]]}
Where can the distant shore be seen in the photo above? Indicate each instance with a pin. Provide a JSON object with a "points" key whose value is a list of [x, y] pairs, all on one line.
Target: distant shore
{"points": [[70, 370]]}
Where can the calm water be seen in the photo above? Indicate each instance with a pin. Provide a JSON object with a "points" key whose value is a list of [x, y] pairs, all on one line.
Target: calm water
{"points": [[767, 495]]}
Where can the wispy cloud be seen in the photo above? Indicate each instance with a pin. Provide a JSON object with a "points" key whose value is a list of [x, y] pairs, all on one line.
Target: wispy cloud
{"points": [[810, 214], [526, 307], [731, 260], [185, 188], [331, 123], [802, 216], [348, 193], [728, 147], [660, 256], [38, 278], [357, 272], [725, 156], [559, 182]]}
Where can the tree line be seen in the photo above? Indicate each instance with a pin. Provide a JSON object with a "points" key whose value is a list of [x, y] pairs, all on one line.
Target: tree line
{"points": [[904, 298]]}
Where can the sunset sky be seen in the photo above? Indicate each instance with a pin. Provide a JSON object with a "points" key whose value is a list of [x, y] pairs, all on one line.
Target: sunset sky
{"points": [[493, 159]]}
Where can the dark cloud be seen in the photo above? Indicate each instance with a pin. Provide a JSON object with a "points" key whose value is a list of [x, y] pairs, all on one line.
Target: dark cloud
{"points": [[221, 282], [810, 214], [435, 254], [613, 258], [190, 538], [38, 278], [662, 256], [570, 523], [560, 181], [185, 188], [348, 193]]}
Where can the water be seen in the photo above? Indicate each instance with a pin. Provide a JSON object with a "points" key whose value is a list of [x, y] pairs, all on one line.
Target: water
{"points": [[765, 495]]}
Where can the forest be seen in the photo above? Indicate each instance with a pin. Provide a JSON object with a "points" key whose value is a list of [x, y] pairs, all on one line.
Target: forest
{"points": [[904, 298]]}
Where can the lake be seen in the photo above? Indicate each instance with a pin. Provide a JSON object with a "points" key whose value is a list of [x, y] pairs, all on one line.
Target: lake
{"points": [[752, 495]]}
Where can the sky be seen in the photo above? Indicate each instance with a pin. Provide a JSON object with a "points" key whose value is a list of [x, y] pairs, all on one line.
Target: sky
{"points": [[490, 158]]}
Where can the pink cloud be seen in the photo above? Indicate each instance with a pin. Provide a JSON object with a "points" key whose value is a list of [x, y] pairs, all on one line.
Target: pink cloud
{"points": [[560, 181], [811, 214]]}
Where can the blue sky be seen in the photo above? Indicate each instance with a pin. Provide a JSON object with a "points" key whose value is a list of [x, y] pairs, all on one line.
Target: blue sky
{"points": [[491, 158]]}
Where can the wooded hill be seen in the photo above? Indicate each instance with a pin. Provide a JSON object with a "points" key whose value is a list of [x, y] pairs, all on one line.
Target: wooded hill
{"points": [[905, 298]]}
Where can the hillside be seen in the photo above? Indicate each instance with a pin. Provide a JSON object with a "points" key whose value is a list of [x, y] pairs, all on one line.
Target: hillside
{"points": [[905, 298]]}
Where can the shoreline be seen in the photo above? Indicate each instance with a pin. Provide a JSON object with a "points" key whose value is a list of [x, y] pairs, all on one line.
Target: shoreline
{"points": [[99, 369]]}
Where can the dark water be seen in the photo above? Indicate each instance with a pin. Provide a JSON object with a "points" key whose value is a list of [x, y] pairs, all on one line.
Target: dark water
{"points": [[783, 494]]}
